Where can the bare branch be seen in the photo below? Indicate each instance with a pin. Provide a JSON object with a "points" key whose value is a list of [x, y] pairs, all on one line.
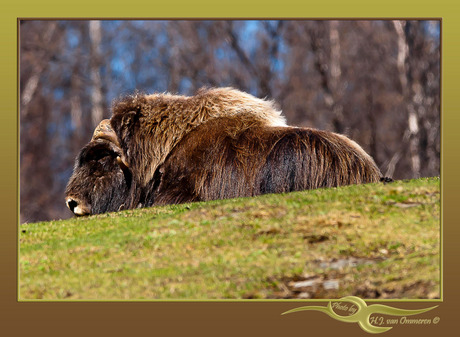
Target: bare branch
{"points": [[239, 51]]}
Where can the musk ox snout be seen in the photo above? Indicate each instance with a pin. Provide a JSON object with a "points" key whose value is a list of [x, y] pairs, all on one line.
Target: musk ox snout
{"points": [[78, 207]]}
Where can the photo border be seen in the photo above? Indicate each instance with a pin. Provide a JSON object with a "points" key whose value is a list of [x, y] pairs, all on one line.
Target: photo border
{"points": [[215, 317]]}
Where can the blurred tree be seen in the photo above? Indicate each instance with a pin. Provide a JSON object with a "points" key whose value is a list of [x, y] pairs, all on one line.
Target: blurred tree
{"points": [[39, 44], [95, 36]]}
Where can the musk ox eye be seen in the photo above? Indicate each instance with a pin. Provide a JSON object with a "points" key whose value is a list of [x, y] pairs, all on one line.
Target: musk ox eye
{"points": [[98, 155], [97, 159], [95, 151]]}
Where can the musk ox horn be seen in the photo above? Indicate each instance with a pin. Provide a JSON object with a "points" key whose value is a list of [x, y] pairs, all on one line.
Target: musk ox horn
{"points": [[105, 131], [122, 162]]}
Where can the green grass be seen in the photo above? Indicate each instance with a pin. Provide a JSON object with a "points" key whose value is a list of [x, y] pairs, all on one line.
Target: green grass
{"points": [[372, 241]]}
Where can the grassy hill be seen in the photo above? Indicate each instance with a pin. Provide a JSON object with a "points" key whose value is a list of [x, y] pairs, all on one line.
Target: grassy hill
{"points": [[373, 241]]}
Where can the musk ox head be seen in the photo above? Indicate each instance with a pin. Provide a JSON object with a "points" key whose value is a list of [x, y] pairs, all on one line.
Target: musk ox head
{"points": [[101, 179]]}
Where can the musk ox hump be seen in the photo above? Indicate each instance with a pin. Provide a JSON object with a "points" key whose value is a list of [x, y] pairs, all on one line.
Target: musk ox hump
{"points": [[221, 102], [233, 102]]}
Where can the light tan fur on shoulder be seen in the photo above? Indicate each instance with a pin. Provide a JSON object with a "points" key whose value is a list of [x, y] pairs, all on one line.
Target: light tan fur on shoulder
{"points": [[223, 102]]}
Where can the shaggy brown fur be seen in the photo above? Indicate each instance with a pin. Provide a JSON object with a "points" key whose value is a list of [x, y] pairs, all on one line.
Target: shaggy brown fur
{"points": [[149, 126], [227, 158], [220, 143]]}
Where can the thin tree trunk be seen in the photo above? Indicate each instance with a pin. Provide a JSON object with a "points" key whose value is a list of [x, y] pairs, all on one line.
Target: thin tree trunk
{"points": [[96, 94], [335, 54], [402, 55], [337, 108], [411, 93], [329, 82]]}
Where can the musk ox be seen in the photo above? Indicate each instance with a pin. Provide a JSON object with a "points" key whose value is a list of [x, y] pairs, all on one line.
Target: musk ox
{"points": [[220, 143]]}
